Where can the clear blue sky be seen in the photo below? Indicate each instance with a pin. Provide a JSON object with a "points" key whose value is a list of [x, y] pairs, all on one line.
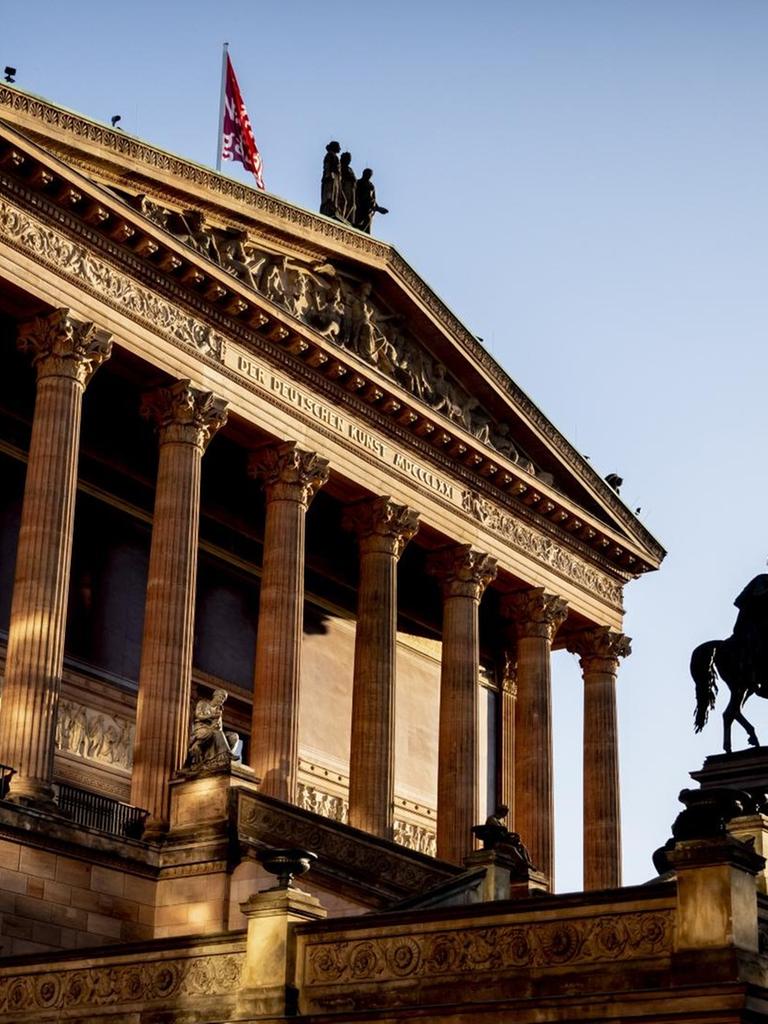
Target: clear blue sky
{"points": [[584, 181]]}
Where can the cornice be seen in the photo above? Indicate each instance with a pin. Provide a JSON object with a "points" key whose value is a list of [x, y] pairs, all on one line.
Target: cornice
{"points": [[119, 145]]}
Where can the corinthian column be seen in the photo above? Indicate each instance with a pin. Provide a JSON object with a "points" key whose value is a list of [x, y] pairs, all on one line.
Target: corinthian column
{"points": [[464, 574], [186, 420], [66, 354], [383, 529], [291, 478], [599, 651], [537, 617]]}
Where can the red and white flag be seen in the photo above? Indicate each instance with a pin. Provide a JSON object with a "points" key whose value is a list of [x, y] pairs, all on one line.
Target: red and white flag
{"points": [[237, 141]]}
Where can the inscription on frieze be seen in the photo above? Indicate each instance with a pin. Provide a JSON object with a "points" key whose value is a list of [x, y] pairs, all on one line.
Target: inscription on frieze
{"points": [[281, 387]]}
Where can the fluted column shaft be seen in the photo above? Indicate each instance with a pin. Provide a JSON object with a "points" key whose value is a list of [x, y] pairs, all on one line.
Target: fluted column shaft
{"points": [[464, 574], [507, 712], [66, 354], [599, 651], [291, 478], [186, 420], [383, 529], [536, 616]]}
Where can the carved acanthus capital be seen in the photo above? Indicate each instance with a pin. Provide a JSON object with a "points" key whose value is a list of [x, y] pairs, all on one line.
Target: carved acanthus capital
{"points": [[599, 649], [381, 525], [535, 613], [463, 571], [288, 472], [63, 347], [183, 414]]}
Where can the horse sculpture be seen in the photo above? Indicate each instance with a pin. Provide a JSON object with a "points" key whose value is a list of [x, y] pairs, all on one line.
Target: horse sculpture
{"points": [[741, 662]]}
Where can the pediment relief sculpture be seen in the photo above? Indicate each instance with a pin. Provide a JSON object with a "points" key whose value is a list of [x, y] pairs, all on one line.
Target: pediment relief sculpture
{"points": [[345, 311]]}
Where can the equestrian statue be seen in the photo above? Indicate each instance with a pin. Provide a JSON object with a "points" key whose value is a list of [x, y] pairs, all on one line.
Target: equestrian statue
{"points": [[741, 662]]}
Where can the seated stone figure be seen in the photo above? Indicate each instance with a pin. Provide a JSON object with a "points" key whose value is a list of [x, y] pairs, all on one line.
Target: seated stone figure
{"points": [[211, 749], [495, 835]]}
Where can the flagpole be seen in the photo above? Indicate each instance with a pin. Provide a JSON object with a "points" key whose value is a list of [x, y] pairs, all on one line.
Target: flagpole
{"points": [[224, 52]]}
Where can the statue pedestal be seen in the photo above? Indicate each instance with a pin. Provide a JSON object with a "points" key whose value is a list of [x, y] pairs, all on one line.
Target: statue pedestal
{"points": [[204, 800], [745, 770], [505, 878]]}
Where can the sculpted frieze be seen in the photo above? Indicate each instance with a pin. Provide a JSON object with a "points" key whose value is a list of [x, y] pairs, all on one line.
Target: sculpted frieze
{"points": [[394, 873], [147, 981], [462, 951], [542, 548], [346, 312], [94, 735], [90, 272]]}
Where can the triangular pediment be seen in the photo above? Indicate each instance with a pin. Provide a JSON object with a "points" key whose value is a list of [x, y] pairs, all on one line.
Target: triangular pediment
{"points": [[342, 303]]}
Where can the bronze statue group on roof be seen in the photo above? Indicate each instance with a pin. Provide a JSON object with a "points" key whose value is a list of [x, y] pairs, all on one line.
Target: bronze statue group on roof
{"points": [[343, 195]]}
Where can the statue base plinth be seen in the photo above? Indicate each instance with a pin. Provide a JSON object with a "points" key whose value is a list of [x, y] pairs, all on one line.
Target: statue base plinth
{"points": [[205, 799], [745, 770]]}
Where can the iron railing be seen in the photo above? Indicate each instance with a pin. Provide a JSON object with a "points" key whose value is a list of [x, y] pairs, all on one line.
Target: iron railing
{"points": [[6, 773], [101, 812]]}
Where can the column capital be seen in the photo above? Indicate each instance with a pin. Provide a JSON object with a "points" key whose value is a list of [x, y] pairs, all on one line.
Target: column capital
{"points": [[535, 613], [183, 414], [289, 473], [381, 525], [462, 571], [508, 683], [61, 346], [599, 649]]}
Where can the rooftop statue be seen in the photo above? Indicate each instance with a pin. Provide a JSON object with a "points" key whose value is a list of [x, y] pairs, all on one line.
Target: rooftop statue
{"points": [[365, 202], [494, 835], [741, 662], [330, 186]]}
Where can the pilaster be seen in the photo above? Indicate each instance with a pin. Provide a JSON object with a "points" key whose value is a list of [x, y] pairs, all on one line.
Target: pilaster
{"points": [[66, 354], [464, 574], [383, 528], [291, 478], [186, 419]]}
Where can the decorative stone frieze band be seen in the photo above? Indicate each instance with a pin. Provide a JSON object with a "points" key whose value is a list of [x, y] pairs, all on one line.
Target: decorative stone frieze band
{"points": [[96, 276]]}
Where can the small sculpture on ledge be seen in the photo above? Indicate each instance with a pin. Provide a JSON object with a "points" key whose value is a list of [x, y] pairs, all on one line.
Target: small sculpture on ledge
{"points": [[494, 835], [211, 749], [741, 662], [286, 864]]}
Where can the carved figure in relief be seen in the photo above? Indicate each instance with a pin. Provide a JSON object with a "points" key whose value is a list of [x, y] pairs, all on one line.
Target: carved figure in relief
{"points": [[234, 256], [211, 749], [741, 662], [195, 234], [365, 202], [348, 185], [330, 186], [346, 314]]}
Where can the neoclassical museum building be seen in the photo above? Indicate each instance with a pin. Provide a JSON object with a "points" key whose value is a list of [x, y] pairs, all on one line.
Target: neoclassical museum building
{"points": [[284, 556]]}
